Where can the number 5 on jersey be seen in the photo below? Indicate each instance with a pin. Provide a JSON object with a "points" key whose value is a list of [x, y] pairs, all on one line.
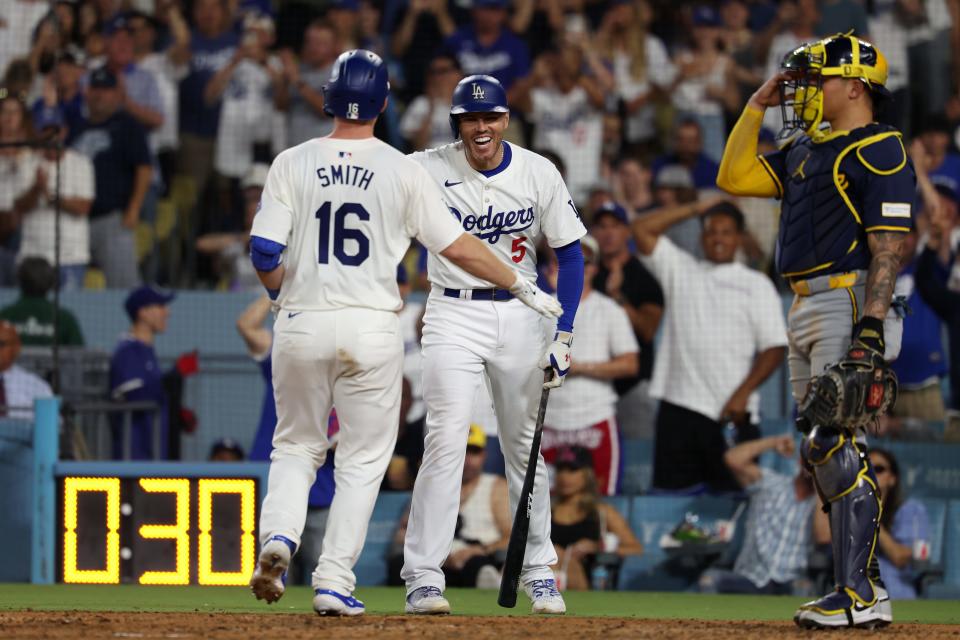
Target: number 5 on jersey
{"points": [[341, 233], [518, 250]]}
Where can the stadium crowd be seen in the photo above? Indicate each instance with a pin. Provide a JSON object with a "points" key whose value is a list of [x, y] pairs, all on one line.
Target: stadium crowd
{"points": [[161, 118]]}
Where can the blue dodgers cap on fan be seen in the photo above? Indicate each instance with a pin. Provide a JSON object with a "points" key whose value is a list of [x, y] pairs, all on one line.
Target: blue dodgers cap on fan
{"points": [[706, 16], [146, 296], [947, 186], [120, 22], [610, 208], [490, 4], [345, 5], [102, 78], [47, 118]]}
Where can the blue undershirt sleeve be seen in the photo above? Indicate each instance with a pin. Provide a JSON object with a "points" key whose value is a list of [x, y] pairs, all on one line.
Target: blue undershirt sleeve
{"points": [[569, 283]]}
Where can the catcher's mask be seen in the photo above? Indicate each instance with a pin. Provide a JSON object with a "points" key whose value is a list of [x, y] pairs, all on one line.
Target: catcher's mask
{"points": [[842, 56]]}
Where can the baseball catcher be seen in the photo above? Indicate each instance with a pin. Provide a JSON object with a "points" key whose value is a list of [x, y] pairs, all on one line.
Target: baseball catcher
{"points": [[847, 189]]}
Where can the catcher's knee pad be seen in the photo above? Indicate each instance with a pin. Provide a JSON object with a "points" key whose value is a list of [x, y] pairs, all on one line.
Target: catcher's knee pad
{"points": [[845, 481]]}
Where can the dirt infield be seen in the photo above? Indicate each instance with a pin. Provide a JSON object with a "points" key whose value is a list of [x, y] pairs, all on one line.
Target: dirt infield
{"points": [[89, 625]]}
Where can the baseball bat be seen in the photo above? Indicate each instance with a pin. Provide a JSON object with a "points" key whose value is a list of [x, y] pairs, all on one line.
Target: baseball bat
{"points": [[513, 565]]}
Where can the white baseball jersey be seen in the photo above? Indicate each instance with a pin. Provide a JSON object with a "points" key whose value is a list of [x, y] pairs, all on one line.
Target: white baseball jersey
{"points": [[346, 210], [571, 127], [509, 210], [76, 181]]}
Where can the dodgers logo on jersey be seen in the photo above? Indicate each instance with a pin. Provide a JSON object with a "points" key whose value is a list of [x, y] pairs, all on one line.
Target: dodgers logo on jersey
{"points": [[478, 93], [491, 225]]}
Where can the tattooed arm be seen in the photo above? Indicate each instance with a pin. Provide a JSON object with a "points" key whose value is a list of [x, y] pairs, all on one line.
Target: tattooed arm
{"points": [[886, 247]]}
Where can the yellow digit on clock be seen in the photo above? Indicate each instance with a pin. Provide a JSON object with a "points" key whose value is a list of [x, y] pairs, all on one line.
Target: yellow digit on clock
{"points": [[178, 531]]}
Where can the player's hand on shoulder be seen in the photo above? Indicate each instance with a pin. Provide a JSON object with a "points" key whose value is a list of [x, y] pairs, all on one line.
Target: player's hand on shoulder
{"points": [[557, 358], [535, 298]]}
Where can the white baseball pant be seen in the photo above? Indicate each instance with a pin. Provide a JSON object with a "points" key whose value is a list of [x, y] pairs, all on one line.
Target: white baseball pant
{"points": [[351, 359], [461, 339]]}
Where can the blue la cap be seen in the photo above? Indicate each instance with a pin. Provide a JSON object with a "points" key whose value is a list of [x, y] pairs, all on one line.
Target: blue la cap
{"points": [[947, 186], [119, 22], [705, 16], [146, 296], [610, 208], [47, 117], [103, 78]]}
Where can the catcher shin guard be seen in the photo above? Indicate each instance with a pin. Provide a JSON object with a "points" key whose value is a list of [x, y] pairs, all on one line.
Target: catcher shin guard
{"points": [[846, 482]]}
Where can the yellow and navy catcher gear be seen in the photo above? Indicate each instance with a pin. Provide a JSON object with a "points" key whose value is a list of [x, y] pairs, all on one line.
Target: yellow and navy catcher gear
{"points": [[841, 56]]}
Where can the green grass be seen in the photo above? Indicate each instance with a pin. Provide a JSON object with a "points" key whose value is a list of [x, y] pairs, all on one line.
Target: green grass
{"points": [[382, 600]]}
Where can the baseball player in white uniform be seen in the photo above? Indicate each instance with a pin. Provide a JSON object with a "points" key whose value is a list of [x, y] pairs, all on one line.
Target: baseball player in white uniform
{"points": [[508, 197], [336, 217]]}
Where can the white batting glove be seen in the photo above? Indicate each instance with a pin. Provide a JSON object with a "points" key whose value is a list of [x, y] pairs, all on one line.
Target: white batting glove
{"points": [[557, 357], [535, 298]]}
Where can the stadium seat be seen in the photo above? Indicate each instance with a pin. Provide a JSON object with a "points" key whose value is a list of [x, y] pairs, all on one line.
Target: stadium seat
{"points": [[637, 466], [371, 568], [931, 571], [143, 238], [927, 469], [621, 504], [166, 219], [653, 516], [94, 279], [950, 587]]}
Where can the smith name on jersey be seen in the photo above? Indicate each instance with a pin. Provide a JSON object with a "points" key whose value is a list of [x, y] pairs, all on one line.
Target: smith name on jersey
{"points": [[509, 207]]}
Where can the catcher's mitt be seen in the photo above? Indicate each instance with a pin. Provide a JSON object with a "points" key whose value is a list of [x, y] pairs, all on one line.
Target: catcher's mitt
{"points": [[850, 393]]}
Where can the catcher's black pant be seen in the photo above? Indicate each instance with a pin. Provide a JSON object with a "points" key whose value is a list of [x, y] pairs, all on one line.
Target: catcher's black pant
{"points": [[688, 451]]}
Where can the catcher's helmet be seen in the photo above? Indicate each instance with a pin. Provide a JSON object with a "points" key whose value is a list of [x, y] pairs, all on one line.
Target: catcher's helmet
{"points": [[477, 94], [357, 87], [840, 55]]}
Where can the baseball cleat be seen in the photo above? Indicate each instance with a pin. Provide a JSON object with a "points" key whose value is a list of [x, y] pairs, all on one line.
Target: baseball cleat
{"points": [[545, 596], [839, 609], [330, 603], [270, 577], [427, 600]]}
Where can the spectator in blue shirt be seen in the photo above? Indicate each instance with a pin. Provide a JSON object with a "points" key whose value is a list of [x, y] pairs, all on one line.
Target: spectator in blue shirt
{"points": [[941, 160], [487, 45], [62, 89], [259, 342], [904, 527], [135, 375], [931, 278], [211, 46], [688, 151], [117, 145], [141, 95], [921, 363]]}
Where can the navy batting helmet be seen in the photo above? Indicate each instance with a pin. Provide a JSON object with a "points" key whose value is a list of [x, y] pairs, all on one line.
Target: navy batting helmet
{"points": [[477, 94], [357, 87]]}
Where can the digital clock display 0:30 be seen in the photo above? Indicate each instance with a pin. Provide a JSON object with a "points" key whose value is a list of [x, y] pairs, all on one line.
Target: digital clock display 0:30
{"points": [[147, 530]]}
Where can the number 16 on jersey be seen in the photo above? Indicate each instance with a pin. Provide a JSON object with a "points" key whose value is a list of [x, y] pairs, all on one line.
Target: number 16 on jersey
{"points": [[342, 233]]}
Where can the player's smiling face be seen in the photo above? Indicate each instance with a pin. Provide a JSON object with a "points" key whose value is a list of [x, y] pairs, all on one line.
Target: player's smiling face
{"points": [[482, 135]]}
